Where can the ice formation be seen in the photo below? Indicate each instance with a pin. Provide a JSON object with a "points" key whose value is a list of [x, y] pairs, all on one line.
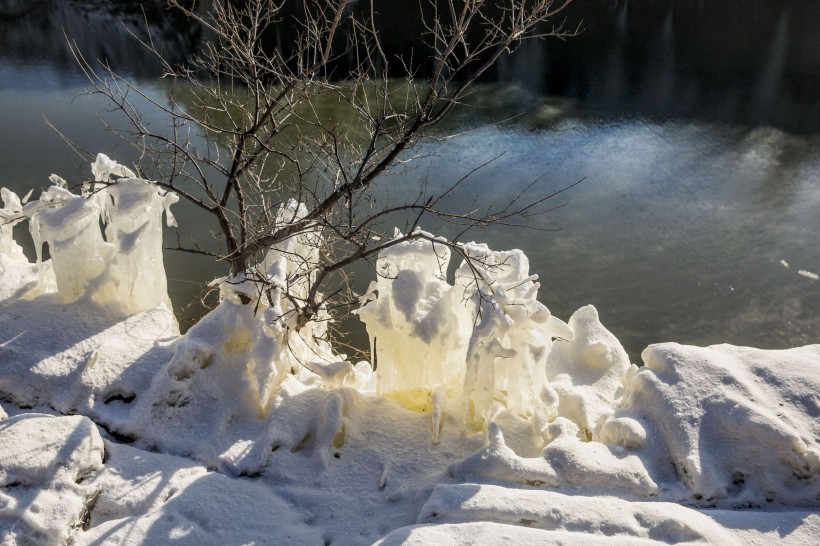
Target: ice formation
{"points": [[509, 345], [483, 339], [10, 215], [542, 432], [254, 330], [122, 267], [417, 322], [586, 373]]}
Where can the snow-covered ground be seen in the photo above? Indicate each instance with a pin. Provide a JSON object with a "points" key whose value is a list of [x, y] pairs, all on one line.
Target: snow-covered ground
{"points": [[518, 429]]}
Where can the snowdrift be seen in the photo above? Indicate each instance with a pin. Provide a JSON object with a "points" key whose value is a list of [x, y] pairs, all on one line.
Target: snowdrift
{"points": [[486, 420]]}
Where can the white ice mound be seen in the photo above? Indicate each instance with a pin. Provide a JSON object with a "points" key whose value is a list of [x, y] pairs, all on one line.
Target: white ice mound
{"points": [[739, 424], [44, 464], [586, 373]]}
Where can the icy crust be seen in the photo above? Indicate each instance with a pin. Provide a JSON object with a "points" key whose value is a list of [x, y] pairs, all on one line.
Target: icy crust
{"points": [[739, 425], [45, 465]]}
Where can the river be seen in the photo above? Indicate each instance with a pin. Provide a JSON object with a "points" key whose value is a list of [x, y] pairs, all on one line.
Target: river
{"points": [[694, 125]]}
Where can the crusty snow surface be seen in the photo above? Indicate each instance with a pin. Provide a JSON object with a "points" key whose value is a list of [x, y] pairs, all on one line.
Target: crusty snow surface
{"points": [[116, 430]]}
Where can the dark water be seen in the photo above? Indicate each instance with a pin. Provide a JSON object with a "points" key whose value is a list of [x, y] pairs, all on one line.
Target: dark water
{"points": [[695, 125]]}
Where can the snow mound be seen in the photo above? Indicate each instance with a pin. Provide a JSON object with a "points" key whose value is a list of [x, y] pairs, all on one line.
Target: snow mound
{"points": [[497, 534], [593, 517], [740, 425], [586, 373], [565, 462], [45, 463]]}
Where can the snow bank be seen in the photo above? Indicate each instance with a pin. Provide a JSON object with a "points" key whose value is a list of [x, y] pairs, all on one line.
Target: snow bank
{"points": [[76, 357], [740, 426], [148, 498]]}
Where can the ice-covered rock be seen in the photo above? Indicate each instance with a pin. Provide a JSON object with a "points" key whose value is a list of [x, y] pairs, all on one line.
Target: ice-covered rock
{"points": [[45, 463], [740, 425]]}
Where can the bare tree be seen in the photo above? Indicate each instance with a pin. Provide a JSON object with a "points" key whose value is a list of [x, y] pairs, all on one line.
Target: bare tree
{"points": [[248, 128]]}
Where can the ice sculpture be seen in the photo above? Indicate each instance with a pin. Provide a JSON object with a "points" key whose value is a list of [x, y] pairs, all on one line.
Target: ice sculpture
{"points": [[417, 323]]}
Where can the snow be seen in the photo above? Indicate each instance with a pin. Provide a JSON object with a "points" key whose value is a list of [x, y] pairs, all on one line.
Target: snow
{"points": [[46, 462], [483, 420]]}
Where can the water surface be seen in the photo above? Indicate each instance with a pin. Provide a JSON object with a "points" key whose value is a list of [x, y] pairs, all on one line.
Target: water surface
{"points": [[693, 124]]}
